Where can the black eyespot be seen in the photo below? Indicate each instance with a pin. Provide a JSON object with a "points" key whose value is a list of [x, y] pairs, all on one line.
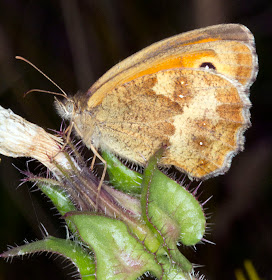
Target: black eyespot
{"points": [[207, 65]]}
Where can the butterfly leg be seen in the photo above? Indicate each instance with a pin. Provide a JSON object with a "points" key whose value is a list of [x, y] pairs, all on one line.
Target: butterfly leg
{"points": [[93, 162], [97, 155], [68, 130]]}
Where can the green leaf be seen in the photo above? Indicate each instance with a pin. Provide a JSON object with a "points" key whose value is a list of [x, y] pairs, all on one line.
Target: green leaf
{"points": [[60, 199], [119, 255], [173, 271], [180, 205], [163, 226], [66, 248], [122, 178], [177, 202]]}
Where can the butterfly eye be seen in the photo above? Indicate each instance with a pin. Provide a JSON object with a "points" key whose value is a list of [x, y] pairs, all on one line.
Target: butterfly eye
{"points": [[70, 107], [207, 65]]}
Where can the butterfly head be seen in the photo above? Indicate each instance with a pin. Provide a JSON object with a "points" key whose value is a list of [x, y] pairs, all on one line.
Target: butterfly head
{"points": [[66, 108]]}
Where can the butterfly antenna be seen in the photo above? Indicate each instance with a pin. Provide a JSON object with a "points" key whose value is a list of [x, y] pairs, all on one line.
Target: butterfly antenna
{"points": [[44, 91], [35, 67]]}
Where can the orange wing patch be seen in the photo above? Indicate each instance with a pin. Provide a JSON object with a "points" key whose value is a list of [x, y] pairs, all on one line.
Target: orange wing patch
{"points": [[229, 48]]}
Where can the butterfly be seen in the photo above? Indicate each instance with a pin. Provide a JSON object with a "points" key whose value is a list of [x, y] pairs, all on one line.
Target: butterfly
{"points": [[189, 92]]}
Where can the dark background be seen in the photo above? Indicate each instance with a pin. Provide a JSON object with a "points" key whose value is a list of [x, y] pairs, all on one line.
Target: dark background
{"points": [[75, 42]]}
